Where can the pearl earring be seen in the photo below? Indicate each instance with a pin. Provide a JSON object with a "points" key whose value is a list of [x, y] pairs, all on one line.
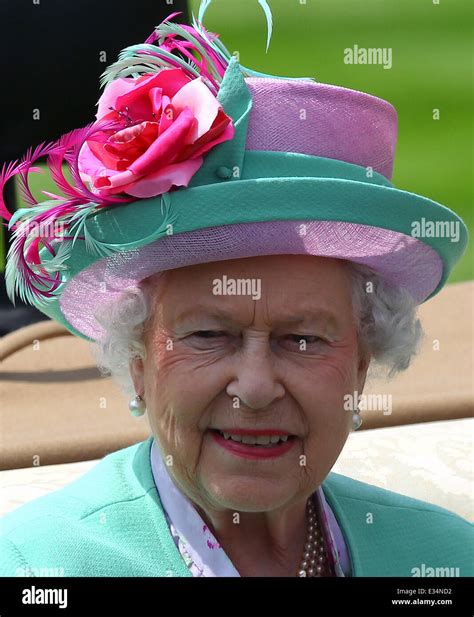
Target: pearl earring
{"points": [[356, 419], [137, 406]]}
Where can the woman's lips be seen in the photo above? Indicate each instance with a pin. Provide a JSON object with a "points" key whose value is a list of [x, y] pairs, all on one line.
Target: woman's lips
{"points": [[251, 431], [254, 451]]}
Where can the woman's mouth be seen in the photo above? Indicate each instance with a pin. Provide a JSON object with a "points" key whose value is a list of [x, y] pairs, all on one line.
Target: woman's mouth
{"points": [[255, 444]]}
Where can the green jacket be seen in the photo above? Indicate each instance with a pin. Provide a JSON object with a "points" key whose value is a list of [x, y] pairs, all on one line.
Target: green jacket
{"points": [[110, 522]]}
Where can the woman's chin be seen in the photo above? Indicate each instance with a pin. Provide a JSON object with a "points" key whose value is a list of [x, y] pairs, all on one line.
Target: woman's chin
{"points": [[246, 494]]}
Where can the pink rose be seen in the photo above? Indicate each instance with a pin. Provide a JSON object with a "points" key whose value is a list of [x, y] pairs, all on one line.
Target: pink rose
{"points": [[169, 122]]}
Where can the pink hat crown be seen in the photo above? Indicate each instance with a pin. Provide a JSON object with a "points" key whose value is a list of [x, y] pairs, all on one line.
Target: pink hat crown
{"points": [[322, 120]]}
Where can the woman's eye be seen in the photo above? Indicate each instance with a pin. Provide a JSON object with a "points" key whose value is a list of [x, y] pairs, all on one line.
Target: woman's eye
{"points": [[209, 334], [302, 342], [208, 339]]}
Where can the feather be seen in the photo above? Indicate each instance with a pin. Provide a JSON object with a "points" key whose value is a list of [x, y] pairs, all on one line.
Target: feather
{"points": [[153, 36], [263, 3], [29, 212], [201, 53], [202, 9], [104, 249], [268, 16], [140, 62], [20, 279], [41, 150], [58, 262], [8, 171], [46, 223], [203, 57], [210, 64]]}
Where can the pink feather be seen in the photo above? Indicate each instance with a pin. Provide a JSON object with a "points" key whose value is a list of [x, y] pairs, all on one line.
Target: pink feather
{"points": [[24, 271]]}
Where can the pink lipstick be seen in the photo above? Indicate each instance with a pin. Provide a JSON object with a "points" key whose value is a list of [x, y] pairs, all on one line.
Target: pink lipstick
{"points": [[263, 450]]}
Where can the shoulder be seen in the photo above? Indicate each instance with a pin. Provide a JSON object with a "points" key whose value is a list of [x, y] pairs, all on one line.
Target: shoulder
{"points": [[363, 495], [109, 482], [348, 488], [91, 513], [414, 532]]}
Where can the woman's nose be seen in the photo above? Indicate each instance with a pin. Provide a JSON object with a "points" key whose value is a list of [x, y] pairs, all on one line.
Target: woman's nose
{"points": [[255, 381]]}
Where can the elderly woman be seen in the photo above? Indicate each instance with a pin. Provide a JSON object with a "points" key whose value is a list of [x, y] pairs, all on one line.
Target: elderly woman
{"points": [[233, 245], [245, 400]]}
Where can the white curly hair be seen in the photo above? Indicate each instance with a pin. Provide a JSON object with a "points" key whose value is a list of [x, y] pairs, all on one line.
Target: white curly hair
{"points": [[385, 314]]}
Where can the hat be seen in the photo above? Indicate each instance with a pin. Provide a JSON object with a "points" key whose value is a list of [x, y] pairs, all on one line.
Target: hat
{"points": [[194, 158]]}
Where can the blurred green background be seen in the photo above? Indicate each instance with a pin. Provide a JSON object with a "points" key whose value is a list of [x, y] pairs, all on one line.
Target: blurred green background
{"points": [[431, 69]]}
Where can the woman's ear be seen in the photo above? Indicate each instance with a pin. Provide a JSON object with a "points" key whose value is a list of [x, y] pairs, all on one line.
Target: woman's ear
{"points": [[137, 373]]}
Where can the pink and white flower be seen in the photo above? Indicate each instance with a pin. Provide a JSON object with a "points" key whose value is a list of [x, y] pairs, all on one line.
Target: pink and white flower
{"points": [[167, 123]]}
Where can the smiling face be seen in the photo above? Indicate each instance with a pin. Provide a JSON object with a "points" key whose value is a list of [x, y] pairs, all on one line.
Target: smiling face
{"points": [[280, 364]]}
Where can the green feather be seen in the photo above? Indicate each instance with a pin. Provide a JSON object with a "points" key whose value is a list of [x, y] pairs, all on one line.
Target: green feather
{"points": [[105, 249], [141, 64], [220, 48], [263, 3], [31, 212], [57, 262], [268, 16], [177, 29], [202, 9]]}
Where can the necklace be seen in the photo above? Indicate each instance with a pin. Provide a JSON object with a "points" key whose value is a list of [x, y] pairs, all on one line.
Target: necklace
{"points": [[314, 561]]}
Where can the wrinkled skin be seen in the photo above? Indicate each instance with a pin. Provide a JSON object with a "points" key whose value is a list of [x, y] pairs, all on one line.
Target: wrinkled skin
{"points": [[251, 350]]}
